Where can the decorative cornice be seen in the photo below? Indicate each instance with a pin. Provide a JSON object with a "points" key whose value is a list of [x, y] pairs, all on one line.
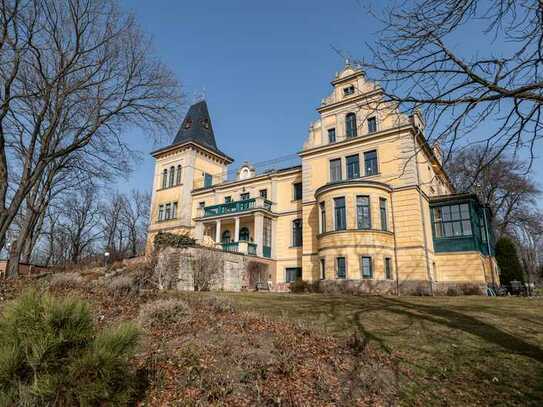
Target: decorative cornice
{"points": [[352, 183]]}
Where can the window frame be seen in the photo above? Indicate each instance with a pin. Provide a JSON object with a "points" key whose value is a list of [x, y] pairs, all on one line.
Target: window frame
{"points": [[366, 160], [174, 210], [263, 193], [348, 90], [383, 213], [160, 212], [344, 277], [355, 168], [227, 199], [297, 227], [171, 178], [244, 196], [372, 119], [351, 130], [178, 175], [167, 211], [440, 232], [332, 135], [389, 270], [297, 191], [335, 160], [298, 274], [322, 208], [208, 177], [165, 178], [360, 215], [362, 275], [322, 270], [343, 213]]}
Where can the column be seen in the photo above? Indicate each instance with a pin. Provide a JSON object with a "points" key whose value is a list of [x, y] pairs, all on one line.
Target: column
{"points": [[199, 231], [218, 231], [236, 230], [259, 233]]}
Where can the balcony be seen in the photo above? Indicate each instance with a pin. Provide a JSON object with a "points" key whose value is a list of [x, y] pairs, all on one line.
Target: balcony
{"points": [[236, 207]]}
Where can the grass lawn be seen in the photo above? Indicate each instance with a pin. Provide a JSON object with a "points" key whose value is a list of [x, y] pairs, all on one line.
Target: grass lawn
{"points": [[456, 350]]}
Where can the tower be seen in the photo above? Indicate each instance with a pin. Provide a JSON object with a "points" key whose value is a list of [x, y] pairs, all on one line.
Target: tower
{"points": [[191, 161]]}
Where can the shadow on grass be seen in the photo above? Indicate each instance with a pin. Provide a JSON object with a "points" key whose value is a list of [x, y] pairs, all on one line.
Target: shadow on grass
{"points": [[466, 323]]}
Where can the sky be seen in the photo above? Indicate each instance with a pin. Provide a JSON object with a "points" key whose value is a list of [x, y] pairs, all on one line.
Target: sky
{"points": [[263, 66]]}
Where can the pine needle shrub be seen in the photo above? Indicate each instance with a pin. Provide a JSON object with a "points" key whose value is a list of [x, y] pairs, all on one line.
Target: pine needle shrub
{"points": [[52, 354]]}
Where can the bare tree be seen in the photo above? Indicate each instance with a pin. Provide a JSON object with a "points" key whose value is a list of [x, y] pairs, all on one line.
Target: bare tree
{"points": [[74, 75], [207, 266], [135, 218], [504, 185], [419, 65]]}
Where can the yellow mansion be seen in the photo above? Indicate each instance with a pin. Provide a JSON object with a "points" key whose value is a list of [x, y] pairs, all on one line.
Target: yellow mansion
{"points": [[370, 201]]}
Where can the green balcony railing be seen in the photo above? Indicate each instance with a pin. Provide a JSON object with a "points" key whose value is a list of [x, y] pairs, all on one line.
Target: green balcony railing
{"points": [[235, 207], [230, 247]]}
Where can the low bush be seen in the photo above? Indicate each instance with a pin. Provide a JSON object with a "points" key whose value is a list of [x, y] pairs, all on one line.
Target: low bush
{"points": [[219, 305], [121, 286], [453, 291], [299, 286], [161, 312], [52, 354], [165, 239], [67, 280]]}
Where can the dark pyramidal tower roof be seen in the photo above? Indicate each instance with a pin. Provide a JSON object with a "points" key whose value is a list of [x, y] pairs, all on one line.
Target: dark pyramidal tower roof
{"points": [[196, 127]]}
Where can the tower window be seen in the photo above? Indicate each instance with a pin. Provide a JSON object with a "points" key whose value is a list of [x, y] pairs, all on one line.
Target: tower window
{"points": [[172, 175], [350, 125], [178, 175], [363, 218], [339, 208], [208, 180], [164, 178]]}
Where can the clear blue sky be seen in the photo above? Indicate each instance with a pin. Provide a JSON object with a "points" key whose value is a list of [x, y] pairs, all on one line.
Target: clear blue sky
{"points": [[264, 66]]}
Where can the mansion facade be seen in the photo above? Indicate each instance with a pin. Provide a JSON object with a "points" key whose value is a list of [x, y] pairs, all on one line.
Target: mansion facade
{"points": [[370, 201]]}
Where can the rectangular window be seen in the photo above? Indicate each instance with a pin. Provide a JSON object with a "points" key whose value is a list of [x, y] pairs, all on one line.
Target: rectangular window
{"points": [[335, 170], [174, 210], [388, 268], [208, 180], [341, 267], [292, 274], [167, 214], [340, 216], [372, 125], [332, 135], [267, 238], [178, 175], [323, 217], [297, 233], [263, 193], [363, 217], [366, 267], [370, 162], [161, 212], [244, 196], [452, 221], [227, 199], [349, 90], [297, 191], [172, 175], [383, 212], [353, 167], [323, 269], [202, 204], [164, 178]]}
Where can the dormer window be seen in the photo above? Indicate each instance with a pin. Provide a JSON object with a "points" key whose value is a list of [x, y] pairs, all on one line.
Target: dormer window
{"points": [[188, 123], [348, 91], [350, 125]]}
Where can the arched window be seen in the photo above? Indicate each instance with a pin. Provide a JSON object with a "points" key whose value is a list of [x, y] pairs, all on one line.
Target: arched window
{"points": [[350, 125], [244, 234], [172, 175], [178, 175], [226, 238], [164, 178]]}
